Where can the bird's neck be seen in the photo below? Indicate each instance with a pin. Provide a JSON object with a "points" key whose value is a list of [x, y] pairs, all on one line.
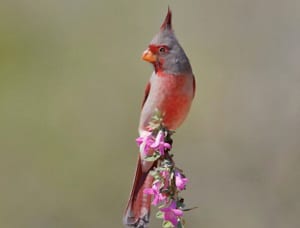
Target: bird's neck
{"points": [[164, 73], [178, 67]]}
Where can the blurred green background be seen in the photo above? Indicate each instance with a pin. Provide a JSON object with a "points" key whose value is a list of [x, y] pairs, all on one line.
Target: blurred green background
{"points": [[71, 84]]}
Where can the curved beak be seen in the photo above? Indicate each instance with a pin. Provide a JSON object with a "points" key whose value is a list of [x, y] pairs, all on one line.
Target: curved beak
{"points": [[149, 56]]}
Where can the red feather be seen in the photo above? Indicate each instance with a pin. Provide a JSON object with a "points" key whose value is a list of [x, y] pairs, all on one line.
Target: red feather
{"points": [[147, 90], [194, 86], [137, 212], [167, 24]]}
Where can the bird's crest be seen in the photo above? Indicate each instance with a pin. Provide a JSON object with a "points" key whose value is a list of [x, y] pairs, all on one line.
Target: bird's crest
{"points": [[167, 24]]}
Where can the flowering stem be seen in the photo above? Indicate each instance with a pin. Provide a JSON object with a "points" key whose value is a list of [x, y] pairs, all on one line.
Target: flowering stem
{"points": [[169, 180]]}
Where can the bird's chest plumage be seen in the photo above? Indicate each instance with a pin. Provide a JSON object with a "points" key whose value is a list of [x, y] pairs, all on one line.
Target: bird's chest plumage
{"points": [[172, 95]]}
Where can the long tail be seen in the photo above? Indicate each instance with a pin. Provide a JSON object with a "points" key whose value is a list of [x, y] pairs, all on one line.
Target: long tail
{"points": [[137, 212]]}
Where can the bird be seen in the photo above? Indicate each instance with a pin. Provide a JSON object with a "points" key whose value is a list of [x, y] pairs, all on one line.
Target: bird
{"points": [[170, 90]]}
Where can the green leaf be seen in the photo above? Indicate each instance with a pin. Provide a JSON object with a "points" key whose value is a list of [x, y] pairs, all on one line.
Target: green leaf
{"points": [[159, 214], [180, 225], [156, 176], [150, 159], [154, 157], [167, 224], [180, 202], [189, 209], [153, 172]]}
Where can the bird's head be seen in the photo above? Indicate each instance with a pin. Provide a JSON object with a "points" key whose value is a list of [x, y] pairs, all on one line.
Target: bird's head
{"points": [[165, 52]]}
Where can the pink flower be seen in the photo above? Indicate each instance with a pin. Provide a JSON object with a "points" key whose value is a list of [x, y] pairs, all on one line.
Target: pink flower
{"points": [[148, 144], [160, 144], [145, 142], [155, 191], [172, 214], [180, 180], [165, 174]]}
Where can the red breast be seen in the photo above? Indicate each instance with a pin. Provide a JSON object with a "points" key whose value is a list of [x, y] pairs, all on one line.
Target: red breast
{"points": [[172, 96]]}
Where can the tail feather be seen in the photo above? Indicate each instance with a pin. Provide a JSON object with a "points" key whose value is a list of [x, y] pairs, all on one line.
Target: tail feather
{"points": [[137, 212]]}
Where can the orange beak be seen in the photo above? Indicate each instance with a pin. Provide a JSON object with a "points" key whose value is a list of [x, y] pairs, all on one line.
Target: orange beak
{"points": [[149, 56]]}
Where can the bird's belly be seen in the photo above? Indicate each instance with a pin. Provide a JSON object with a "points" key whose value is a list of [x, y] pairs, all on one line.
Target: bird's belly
{"points": [[172, 97], [175, 110]]}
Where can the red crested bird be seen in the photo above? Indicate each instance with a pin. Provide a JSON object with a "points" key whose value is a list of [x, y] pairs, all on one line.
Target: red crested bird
{"points": [[171, 90]]}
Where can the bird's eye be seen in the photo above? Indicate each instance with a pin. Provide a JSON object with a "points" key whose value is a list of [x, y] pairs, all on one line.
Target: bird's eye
{"points": [[162, 50]]}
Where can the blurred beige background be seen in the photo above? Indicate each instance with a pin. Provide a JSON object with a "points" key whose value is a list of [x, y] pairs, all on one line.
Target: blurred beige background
{"points": [[71, 84]]}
